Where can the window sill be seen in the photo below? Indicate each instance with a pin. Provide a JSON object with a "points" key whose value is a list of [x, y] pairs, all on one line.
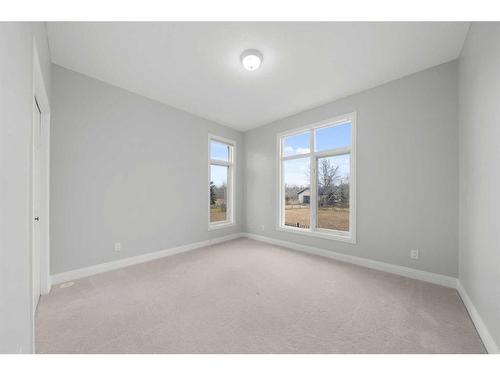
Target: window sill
{"points": [[349, 238], [221, 225]]}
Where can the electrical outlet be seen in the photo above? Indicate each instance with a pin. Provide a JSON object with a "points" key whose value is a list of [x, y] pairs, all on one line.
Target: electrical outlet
{"points": [[118, 247], [262, 228], [414, 253]]}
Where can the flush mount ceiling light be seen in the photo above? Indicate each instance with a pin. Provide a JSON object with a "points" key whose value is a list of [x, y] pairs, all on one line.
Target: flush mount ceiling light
{"points": [[251, 59]]}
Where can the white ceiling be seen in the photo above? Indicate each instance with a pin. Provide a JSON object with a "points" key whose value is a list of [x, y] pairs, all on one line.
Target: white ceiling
{"points": [[195, 66]]}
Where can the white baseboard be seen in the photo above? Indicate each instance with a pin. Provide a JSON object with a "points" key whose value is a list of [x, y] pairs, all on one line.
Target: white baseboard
{"points": [[116, 264], [481, 328], [434, 278], [412, 273]]}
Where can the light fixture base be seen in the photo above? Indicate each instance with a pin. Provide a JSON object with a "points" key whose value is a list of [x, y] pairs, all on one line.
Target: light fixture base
{"points": [[251, 59]]}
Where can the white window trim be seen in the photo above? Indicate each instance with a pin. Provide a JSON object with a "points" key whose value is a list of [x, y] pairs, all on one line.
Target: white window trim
{"points": [[231, 164], [313, 231]]}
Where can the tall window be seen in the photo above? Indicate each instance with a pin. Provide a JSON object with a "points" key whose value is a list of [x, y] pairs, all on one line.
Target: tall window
{"points": [[317, 179], [221, 182]]}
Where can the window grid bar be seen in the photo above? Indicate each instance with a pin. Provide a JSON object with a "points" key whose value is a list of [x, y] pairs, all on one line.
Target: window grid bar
{"points": [[221, 162], [319, 154]]}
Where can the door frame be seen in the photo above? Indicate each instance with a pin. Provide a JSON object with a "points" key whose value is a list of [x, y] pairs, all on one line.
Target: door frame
{"points": [[41, 94], [36, 190]]}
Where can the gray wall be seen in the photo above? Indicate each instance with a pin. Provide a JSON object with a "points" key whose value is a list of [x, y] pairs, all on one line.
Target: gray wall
{"points": [[126, 169], [479, 160], [16, 98], [407, 173]]}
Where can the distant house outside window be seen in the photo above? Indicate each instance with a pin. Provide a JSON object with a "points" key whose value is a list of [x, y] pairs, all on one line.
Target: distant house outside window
{"points": [[304, 196]]}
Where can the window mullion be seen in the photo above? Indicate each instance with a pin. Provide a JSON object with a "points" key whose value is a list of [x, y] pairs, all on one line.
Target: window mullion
{"points": [[220, 162], [334, 152], [314, 191], [229, 197], [298, 156], [313, 182], [282, 194]]}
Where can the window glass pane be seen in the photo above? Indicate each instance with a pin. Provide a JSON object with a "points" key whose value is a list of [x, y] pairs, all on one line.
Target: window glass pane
{"points": [[218, 193], [333, 192], [333, 137], [219, 151], [297, 193], [296, 144]]}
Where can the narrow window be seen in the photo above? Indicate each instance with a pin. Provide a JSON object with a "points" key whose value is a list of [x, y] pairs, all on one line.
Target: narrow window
{"points": [[221, 182], [317, 179]]}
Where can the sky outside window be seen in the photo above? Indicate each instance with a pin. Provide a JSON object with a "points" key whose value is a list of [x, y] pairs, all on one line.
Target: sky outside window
{"points": [[218, 175], [333, 137], [219, 151], [296, 144]]}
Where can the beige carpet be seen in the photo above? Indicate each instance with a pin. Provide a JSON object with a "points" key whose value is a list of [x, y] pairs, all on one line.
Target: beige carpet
{"points": [[245, 296]]}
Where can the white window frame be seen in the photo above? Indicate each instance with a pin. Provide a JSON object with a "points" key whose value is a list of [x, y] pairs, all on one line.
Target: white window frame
{"points": [[231, 164], [313, 231]]}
